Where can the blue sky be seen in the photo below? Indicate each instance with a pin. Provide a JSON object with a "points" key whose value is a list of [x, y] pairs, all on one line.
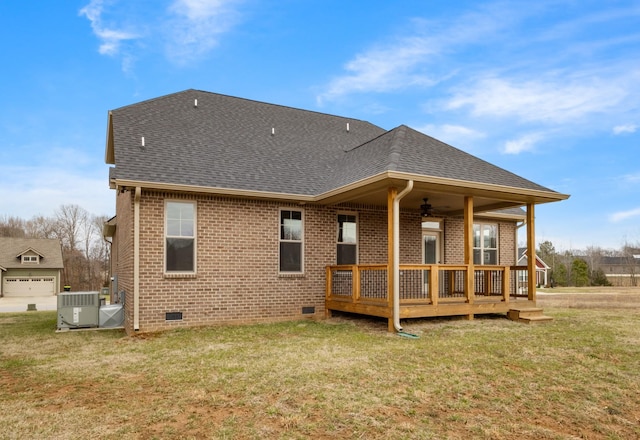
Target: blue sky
{"points": [[549, 90]]}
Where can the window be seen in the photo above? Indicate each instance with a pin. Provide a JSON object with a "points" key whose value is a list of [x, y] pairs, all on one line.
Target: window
{"points": [[30, 259], [291, 241], [347, 239], [485, 243], [180, 237]]}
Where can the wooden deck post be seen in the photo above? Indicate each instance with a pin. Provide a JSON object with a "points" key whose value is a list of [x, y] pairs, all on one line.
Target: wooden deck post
{"points": [[355, 277], [328, 292], [506, 283], [391, 196], [531, 253], [434, 284], [468, 250]]}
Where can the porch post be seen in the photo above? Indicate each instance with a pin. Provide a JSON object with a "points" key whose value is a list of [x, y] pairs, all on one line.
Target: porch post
{"points": [[391, 196], [468, 250], [531, 253]]}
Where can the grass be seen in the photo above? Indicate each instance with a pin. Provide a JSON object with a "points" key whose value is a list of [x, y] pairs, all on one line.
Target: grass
{"points": [[576, 377]]}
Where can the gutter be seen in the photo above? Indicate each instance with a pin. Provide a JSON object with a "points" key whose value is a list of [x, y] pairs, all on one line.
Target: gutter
{"points": [[396, 255]]}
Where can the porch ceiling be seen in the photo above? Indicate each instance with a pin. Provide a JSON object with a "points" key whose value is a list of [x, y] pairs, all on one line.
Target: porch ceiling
{"points": [[446, 197]]}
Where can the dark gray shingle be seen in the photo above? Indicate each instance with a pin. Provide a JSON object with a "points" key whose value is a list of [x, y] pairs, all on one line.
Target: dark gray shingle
{"points": [[228, 142]]}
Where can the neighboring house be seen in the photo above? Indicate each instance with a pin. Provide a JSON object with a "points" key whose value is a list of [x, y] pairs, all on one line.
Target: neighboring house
{"points": [[232, 211], [622, 271], [30, 266], [542, 269]]}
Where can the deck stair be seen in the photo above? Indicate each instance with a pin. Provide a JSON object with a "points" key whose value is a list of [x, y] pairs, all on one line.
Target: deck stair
{"points": [[528, 315]]}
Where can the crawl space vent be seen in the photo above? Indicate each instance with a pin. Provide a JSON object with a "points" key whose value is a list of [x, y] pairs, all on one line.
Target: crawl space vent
{"points": [[173, 316], [308, 310]]}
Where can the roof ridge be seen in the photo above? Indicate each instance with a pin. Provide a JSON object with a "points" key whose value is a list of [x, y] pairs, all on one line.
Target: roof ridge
{"points": [[245, 100], [392, 132], [396, 144]]}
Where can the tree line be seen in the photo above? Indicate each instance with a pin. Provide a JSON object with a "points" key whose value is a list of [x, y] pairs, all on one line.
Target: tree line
{"points": [[589, 267], [85, 253]]}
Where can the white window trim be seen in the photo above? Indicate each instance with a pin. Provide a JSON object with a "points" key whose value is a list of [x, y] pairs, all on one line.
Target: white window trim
{"points": [[31, 259], [482, 248], [357, 234], [301, 241], [195, 239]]}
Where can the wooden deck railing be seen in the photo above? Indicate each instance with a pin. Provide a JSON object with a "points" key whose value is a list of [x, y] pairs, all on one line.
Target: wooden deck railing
{"points": [[425, 283]]}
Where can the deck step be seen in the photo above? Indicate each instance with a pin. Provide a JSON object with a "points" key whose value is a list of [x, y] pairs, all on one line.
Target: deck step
{"points": [[528, 315]]}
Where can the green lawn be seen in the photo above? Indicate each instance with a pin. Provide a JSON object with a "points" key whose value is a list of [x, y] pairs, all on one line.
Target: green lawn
{"points": [[576, 377]]}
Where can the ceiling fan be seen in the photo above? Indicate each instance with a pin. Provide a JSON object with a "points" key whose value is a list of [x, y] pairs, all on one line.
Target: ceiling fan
{"points": [[427, 210]]}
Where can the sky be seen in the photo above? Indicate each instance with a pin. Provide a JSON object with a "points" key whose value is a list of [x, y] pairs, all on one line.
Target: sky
{"points": [[549, 90]]}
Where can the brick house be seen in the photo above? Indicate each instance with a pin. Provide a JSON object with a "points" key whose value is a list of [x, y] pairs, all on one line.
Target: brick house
{"points": [[233, 211]]}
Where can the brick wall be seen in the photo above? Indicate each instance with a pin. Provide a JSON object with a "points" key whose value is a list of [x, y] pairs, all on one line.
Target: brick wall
{"points": [[237, 242], [453, 241], [507, 243], [122, 251], [237, 277]]}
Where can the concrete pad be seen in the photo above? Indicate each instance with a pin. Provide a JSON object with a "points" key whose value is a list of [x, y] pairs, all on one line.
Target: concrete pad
{"points": [[20, 304]]}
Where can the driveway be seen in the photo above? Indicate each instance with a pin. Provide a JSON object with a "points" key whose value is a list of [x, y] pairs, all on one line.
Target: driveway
{"points": [[19, 304]]}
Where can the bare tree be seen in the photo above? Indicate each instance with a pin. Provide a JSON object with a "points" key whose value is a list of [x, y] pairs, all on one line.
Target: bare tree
{"points": [[11, 227], [631, 258], [71, 222], [593, 256], [71, 219], [41, 227], [100, 250]]}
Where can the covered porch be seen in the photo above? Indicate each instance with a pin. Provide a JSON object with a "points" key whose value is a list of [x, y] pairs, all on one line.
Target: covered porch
{"points": [[396, 290]]}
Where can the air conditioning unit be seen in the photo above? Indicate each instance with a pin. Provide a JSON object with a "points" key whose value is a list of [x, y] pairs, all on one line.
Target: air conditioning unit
{"points": [[78, 309]]}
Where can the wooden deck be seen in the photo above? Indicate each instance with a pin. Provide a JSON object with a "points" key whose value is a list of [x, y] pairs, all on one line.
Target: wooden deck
{"points": [[427, 290]]}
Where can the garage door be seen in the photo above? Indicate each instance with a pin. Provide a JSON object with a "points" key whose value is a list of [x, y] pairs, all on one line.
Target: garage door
{"points": [[28, 286]]}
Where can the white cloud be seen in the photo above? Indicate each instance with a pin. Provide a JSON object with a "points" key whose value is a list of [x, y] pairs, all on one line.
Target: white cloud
{"points": [[505, 79], [555, 100], [413, 59], [111, 39], [70, 187], [624, 215], [383, 69], [522, 144], [187, 28], [628, 128], [631, 178], [453, 134], [195, 26]]}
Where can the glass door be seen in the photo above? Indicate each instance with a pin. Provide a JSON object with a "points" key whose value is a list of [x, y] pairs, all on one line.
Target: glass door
{"points": [[430, 254], [430, 247]]}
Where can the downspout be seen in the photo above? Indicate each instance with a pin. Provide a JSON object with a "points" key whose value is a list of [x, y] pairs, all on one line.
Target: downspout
{"points": [[396, 255], [136, 259]]}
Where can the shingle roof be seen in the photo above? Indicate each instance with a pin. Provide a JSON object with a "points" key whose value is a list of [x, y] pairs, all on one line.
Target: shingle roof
{"points": [[228, 142], [407, 150], [49, 249]]}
